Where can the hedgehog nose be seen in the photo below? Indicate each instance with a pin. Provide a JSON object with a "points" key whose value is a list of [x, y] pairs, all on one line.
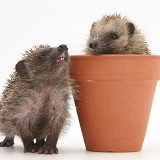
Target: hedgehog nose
{"points": [[62, 47], [93, 45]]}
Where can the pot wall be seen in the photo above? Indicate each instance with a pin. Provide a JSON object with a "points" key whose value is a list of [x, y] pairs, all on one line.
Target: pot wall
{"points": [[115, 116]]}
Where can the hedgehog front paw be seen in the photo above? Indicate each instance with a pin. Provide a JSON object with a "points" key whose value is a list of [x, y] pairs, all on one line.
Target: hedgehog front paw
{"points": [[7, 142], [48, 150], [33, 148]]}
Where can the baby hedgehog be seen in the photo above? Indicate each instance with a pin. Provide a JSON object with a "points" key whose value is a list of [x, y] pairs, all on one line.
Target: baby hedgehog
{"points": [[114, 34], [34, 104]]}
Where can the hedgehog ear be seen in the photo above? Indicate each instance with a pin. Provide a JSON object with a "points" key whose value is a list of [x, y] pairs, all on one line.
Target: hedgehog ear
{"points": [[93, 24], [131, 28], [21, 69]]}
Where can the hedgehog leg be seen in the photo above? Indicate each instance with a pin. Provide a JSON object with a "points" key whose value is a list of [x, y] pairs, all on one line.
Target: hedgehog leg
{"points": [[7, 142], [29, 145], [50, 145]]}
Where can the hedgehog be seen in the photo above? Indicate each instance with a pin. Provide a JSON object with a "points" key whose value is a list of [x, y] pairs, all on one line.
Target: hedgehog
{"points": [[115, 34], [35, 101]]}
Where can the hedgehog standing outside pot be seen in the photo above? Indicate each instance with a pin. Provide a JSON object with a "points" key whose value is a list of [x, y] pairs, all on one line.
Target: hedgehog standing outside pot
{"points": [[34, 103]]}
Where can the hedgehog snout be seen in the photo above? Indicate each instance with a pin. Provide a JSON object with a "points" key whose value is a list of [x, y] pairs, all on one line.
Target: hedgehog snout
{"points": [[93, 45], [62, 48]]}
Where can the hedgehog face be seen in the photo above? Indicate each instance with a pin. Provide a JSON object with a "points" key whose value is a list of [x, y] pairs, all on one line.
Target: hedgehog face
{"points": [[44, 62], [110, 35]]}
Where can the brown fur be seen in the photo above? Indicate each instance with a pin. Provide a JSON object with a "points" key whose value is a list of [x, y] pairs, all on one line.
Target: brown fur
{"points": [[34, 104], [114, 34]]}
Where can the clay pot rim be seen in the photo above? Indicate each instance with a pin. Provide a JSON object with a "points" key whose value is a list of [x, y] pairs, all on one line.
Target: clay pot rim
{"points": [[117, 67], [113, 55]]}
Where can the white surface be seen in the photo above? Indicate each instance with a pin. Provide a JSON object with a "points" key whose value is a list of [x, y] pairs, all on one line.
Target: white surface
{"points": [[32, 22]]}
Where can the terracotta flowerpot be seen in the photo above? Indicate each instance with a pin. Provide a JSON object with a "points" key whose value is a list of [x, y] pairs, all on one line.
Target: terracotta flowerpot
{"points": [[115, 99]]}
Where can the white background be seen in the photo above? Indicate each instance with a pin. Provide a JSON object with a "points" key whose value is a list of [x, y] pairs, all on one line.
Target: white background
{"points": [[25, 23]]}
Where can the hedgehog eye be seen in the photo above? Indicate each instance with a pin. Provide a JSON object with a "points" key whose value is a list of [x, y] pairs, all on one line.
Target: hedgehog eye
{"points": [[114, 36], [42, 55]]}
